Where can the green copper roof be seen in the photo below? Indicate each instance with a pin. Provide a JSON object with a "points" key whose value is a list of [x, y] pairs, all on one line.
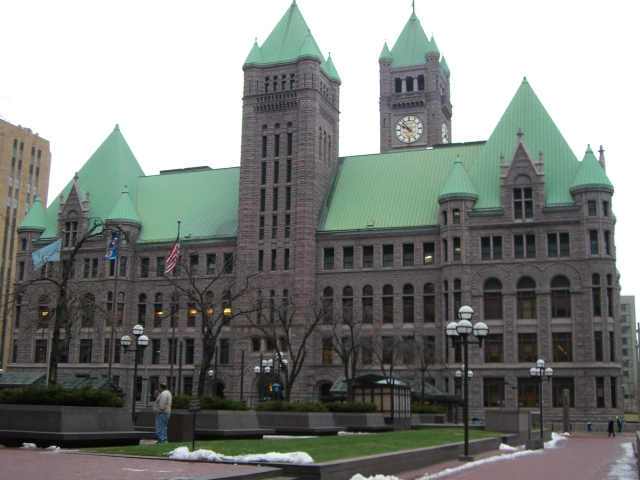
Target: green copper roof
{"points": [[385, 54], [390, 190], [443, 65], [540, 133], [255, 55], [36, 218], [289, 41], [124, 210], [206, 202], [103, 175], [458, 183], [590, 174], [331, 71], [411, 46], [433, 47]]}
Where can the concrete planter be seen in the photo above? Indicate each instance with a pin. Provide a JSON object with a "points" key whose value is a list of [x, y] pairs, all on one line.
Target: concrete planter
{"points": [[428, 418], [361, 422], [47, 425], [298, 423]]}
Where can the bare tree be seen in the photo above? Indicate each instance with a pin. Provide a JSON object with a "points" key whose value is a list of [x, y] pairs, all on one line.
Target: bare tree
{"points": [[287, 323], [388, 352]]}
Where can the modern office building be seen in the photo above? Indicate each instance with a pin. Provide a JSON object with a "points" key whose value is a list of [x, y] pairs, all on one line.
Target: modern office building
{"points": [[517, 227], [25, 160]]}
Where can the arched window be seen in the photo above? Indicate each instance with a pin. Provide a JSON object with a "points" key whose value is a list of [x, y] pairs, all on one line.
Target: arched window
{"points": [[142, 309], [560, 297], [526, 298], [407, 304], [387, 304], [347, 305], [157, 311], [492, 299], [43, 312], [596, 295], [88, 304], [367, 304], [327, 306], [429, 301]]}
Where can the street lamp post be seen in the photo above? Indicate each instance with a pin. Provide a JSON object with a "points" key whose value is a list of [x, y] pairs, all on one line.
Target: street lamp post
{"points": [[283, 364], [540, 372], [142, 341], [261, 370], [210, 375], [460, 331]]}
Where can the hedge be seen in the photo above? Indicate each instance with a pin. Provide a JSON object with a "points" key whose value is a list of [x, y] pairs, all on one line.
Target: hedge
{"points": [[70, 397], [282, 406], [359, 407]]}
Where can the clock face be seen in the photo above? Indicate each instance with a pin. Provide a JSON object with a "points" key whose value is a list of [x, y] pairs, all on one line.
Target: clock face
{"points": [[409, 129], [445, 134]]}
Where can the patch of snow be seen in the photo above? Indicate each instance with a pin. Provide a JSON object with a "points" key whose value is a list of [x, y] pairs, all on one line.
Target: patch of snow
{"points": [[555, 439], [346, 434], [52, 449], [507, 448], [624, 467], [182, 453], [374, 477], [134, 470], [28, 445]]}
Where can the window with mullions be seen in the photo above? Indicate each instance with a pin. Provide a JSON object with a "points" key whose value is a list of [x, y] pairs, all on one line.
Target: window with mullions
{"points": [[429, 303], [528, 393], [599, 392], [70, 234], [596, 297], [387, 304], [493, 348], [593, 242], [493, 299], [562, 347], [160, 265], [276, 168], [527, 347], [591, 204], [526, 298], [157, 311], [456, 216], [524, 246], [598, 346], [407, 255], [347, 258], [555, 240], [329, 258], [144, 267], [387, 255], [327, 351], [85, 350], [457, 249], [493, 392], [367, 256], [407, 304], [491, 248], [429, 253], [522, 203], [367, 304], [560, 297], [607, 242], [457, 295]]}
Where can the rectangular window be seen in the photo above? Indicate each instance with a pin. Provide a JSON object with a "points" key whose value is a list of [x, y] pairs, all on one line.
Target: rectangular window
{"points": [[144, 267], [263, 173], [228, 264], [528, 393], [347, 258], [276, 169], [85, 350], [263, 199], [70, 234], [40, 351], [367, 310], [387, 255], [607, 242], [287, 202], [552, 245], [225, 351], [612, 347], [289, 150], [593, 241], [274, 227], [157, 315], [456, 216], [445, 250], [328, 258], [367, 256], [407, 255], [275, 199], [598, 346], [287, 226], [599, 391], [485, 247], [558, 385], [530, 241], [592, 208], [191, 314], [493, 348], [274, 258], [445, 220], [211, 264], [407, 309], [21, 271], [457, 249], [387, 309], [562, 347], [564, 245], [522, 203], [107, 351], [493, 392], [123, 267], [605, 209], [491, 248], [256, 344], [193, 264], [14, 352], [276, 147], [429, 252], [160, 265], [155, 351], [387, 350], [286, 258], [264, 137], [327, 351], [597, 301], [260, 260], [527, 347], [94, 268], [614, 392], [173, 350]]}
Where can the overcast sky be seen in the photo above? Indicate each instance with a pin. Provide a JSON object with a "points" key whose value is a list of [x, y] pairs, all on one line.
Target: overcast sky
{"points": [[170, 73]]}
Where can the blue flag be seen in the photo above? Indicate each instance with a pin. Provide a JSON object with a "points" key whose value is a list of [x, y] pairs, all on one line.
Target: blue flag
{"points": [[112, 250], [50, 253]]}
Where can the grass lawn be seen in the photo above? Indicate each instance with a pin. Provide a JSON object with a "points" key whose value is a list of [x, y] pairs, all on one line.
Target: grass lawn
{"points": [[321, 449]]}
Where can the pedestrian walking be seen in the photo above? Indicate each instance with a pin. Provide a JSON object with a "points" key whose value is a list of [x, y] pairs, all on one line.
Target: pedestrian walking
{"points": [[610, 428], [619, 422], [162, 409]]}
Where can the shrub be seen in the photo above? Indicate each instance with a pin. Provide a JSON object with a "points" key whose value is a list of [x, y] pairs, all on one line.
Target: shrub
{"points": [[70, 397], [359, 407], [417, 408], [208, 403], [282, 406]]}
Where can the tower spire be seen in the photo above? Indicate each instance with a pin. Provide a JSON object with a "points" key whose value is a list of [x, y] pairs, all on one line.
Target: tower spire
{"points": [[413, 6]]}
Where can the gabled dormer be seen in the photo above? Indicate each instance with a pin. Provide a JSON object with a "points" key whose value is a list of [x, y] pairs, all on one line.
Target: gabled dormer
{"points": [[522, 182], [73, 214]]}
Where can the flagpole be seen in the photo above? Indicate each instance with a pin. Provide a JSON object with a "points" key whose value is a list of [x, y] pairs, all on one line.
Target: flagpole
{"points": [[172, 350], [114, 311]]}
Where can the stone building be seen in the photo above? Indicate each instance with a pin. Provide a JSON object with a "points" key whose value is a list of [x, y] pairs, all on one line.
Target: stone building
{"points": [[629, 353], [516, 227], [20, 183]]}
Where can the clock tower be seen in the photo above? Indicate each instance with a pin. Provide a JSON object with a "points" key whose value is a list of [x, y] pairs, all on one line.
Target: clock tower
{"points": [[415, 105]]}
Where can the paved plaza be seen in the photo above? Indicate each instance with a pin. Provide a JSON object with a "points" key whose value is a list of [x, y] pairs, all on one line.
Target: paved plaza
{"points": [[579, 457]]}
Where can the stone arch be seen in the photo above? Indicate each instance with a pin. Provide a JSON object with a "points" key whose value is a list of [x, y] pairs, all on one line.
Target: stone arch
{"points": [[510, 282], [564, 269], [482, 275]]}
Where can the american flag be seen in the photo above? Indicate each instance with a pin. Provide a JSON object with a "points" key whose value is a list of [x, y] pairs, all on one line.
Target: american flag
{"points": [[171, 260]]}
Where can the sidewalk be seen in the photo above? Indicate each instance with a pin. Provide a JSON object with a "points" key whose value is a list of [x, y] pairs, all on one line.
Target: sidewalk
{"points": [[38, 464], [580, 457]]}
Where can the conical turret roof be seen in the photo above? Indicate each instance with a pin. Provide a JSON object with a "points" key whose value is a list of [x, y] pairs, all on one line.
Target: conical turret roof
{"points": [[123, 210], [458, 183], [443, 65], [330, 70], [255, 56], [36, 218], [525, 112], [590, 174], [433, 47], [385, 54], [411, 46]]}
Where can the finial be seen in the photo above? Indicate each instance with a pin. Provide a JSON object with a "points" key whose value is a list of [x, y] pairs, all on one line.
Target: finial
{"points": [[601, 158], [117, 127], [520, 133], [413, 5]]}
